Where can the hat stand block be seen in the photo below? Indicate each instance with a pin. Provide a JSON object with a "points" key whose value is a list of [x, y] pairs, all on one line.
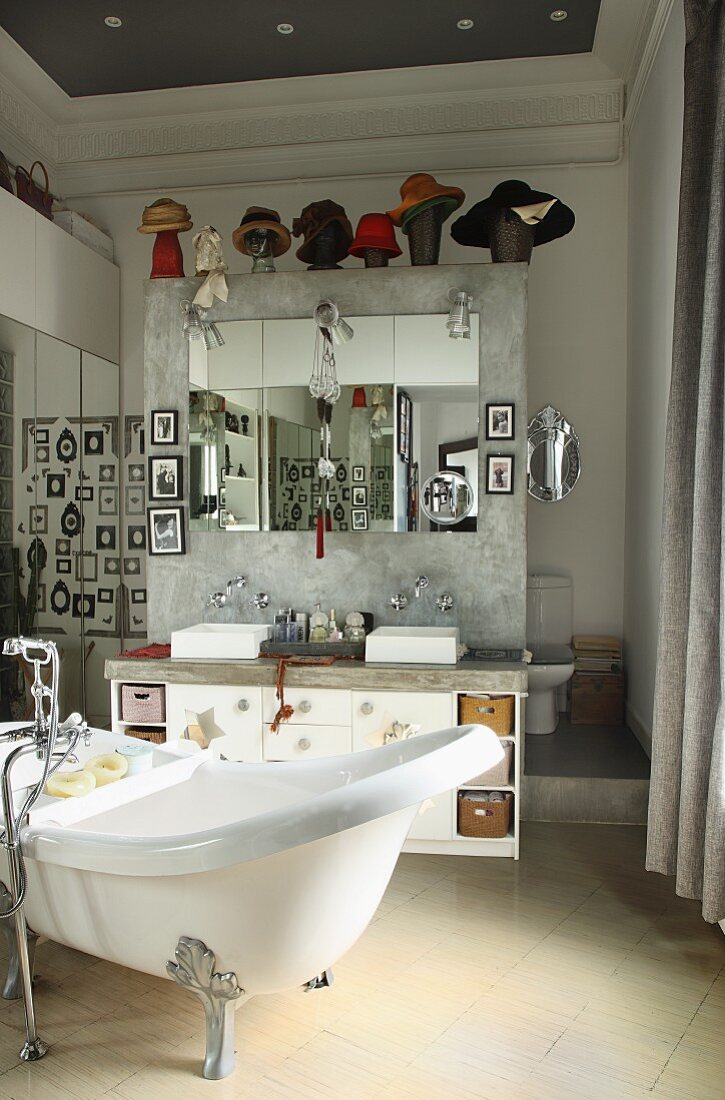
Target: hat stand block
{"points": [[376, 257], [511, 240], [326, 249], [167, 261], [424, 236]]}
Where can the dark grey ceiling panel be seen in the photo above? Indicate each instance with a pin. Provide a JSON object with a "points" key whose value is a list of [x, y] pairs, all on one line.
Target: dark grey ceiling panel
{"points": [[185, 43]]}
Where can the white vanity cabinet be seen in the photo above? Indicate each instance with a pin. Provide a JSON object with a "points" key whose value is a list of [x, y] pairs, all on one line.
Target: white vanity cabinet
{"points": [[332, 721], [237, 711]]}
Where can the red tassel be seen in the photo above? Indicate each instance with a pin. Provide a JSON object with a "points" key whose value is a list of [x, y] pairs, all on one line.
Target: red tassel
{"points": [[320, 535]]}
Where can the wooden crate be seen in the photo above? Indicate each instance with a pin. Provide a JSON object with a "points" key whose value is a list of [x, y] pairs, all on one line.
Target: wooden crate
{"points": [[596, 699]]}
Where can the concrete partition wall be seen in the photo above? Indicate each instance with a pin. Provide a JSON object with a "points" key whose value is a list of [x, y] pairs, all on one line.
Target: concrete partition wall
{"points": [[485, 571]]}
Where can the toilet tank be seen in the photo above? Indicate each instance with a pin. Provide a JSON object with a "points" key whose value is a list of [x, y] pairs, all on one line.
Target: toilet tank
{"points": [[548, 610]]}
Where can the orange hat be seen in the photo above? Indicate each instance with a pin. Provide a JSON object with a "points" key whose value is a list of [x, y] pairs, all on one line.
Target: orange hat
{"points": [[419, 187]]}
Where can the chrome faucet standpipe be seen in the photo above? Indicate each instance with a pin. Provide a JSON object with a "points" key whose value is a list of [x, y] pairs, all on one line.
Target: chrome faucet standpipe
{"points": [[421, 583], [41, 739]]}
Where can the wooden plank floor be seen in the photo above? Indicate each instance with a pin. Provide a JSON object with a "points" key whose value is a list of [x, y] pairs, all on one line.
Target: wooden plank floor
{"points": [[573, 975]]}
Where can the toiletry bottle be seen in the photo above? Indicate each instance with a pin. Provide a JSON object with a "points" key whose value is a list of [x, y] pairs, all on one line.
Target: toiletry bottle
{"points": [[300, 627], [333, 634], [318, 625], [279, 626]]}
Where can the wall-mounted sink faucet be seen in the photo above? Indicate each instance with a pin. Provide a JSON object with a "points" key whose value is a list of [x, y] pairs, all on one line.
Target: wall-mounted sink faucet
{"points": [[236, 582], [421, 583], [444, 602], [399, 602]]}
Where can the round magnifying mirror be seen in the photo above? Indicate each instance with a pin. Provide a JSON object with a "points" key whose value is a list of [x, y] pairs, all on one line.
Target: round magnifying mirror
{"points": [[446, 498]]}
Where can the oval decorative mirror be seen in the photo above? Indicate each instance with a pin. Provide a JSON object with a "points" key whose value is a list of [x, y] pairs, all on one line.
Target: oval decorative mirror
{"points": [[447, 498], [553, 463]]}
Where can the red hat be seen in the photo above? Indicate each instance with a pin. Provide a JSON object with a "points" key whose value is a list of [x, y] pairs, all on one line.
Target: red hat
{"points": [[374, 231]]}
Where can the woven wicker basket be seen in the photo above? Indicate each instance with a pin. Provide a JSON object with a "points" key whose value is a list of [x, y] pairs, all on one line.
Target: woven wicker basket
{"points": [[483, 819], [143, 703], [499, 774], [155, 736], [497, 714], [510, 239]]}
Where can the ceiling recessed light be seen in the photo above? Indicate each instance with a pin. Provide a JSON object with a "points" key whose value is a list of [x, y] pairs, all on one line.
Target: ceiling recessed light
{"points": [[558, 15], [285, 28], [465, 24], [113, 21]]}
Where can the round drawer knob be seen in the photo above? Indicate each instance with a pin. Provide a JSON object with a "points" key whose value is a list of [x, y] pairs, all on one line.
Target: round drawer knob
{"points": [[367, 708], [304, 744], [305, 707], [243, 704]]}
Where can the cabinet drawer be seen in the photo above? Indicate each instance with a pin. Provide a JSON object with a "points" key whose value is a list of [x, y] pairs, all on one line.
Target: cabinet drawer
{"points": [[237, 713], [306, 743], [373, 711], [312, 706]]}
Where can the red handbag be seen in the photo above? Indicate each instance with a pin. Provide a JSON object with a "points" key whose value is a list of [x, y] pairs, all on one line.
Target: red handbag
{"points": [[31, 193], [5, 179]]}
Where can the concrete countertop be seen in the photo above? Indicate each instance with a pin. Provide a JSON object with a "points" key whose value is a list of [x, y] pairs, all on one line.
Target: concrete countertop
{"points": [[466, 676]]}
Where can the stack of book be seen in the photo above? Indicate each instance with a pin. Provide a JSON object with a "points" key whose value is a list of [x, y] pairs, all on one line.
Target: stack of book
{"points": [[596, 690], [597, 653]]}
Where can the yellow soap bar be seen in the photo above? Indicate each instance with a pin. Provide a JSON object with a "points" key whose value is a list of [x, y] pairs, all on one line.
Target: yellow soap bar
{"points": [[107, 768], [70, 784]]}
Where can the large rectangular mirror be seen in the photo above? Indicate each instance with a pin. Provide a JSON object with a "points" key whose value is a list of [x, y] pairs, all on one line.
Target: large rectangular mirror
{"points": [[61, 540], [408, 408]]}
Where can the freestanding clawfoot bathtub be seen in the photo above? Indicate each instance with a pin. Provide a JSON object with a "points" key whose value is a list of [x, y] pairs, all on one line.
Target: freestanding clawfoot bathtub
{"points": [[278, 868]]}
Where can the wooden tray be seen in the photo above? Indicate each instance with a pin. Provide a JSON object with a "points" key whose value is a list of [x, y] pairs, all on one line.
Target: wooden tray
{"points": [[354, 650]]}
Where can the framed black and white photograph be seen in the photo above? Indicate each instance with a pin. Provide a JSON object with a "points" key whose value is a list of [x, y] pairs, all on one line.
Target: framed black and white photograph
{"points": [[165, 427], [405, 408], [165, 478], [359, 496], [358, 473], [359, 519], [166, 530], [500, 474], [499, 421]]}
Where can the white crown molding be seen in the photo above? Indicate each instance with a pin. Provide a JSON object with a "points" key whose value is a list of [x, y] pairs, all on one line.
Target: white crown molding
{"points": [[27, 132], [652, 28], [380, 118], [547, 145]]}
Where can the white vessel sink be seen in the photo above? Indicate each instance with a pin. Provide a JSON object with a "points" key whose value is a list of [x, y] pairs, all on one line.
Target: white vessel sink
{"points": [[219, 641], [413, 645]]}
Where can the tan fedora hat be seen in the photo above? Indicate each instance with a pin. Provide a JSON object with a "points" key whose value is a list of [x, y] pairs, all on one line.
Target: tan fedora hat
{"points": [[261, 217]]}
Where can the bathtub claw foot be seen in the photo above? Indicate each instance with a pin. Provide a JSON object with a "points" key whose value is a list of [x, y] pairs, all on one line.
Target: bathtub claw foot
{"points": [[194, 970], [13, 988], [321, 981]]}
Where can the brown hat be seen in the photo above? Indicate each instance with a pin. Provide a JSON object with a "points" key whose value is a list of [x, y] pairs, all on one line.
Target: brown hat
{"points": [[419, 187], [261, 217], [313, 219], [165, 214]]}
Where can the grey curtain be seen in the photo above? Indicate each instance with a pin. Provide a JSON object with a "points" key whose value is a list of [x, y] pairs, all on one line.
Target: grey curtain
{"points": [[687, 791]]}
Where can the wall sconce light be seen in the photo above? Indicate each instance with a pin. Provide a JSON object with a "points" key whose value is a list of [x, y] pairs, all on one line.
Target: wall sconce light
{"points": [[459, 319], [327, 316], [196, 328]]}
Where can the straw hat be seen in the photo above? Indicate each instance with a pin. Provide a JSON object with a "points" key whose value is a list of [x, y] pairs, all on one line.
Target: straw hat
{"points": [[419, 187], [163, 215], [314, 218], [261, 217], [375, 231], [553, 219]]}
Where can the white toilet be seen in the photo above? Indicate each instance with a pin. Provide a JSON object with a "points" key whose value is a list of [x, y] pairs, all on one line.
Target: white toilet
{"points": [[548, 634]]}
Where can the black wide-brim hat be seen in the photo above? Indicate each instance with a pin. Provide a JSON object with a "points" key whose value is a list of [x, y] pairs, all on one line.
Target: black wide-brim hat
{"points": [[473, 227]]}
